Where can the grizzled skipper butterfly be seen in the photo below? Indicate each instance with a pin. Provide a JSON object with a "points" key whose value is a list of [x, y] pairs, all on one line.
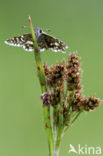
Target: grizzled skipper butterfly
{"points": [[44, 41]]}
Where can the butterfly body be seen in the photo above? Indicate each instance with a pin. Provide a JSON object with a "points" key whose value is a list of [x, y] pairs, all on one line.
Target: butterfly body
{"points": [[44, 42]]}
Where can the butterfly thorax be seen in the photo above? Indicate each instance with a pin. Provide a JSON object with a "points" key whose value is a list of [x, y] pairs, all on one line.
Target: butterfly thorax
{"points": [[38, 32]]}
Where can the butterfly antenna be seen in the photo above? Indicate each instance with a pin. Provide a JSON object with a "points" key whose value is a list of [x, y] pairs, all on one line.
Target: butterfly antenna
{"points": [[23, 26], [48, 30]]}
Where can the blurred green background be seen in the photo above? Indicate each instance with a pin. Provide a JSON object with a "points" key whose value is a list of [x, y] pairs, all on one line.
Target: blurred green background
{"points": [[80, 24]]}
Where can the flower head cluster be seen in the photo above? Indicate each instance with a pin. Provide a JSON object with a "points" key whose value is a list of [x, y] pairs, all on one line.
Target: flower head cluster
{"points": [[51, 98], [91, 103], [79, 102], [55, 74], [65, 90], [73, 73], [46, 98]]}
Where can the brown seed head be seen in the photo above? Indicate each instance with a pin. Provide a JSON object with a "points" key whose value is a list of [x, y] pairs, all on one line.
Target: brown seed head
{"points": [[77, 102], [91, 103], [73, 73], [46, 98], [55, 96], [55, 75]]}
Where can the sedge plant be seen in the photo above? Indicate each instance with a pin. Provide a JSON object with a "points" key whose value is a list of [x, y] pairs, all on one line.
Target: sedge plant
{"points": [[61, 95]]}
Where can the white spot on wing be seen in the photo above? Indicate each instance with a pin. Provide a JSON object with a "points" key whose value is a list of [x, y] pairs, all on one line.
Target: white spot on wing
{"points": [[12, 44], [41, 50], [22, 39], [29, 42], [54, 50], [17, 40], [29, 50], [56, 44]]}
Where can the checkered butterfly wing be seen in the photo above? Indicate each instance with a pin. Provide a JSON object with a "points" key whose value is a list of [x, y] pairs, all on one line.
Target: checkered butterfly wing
{"points": [[44, 41], [24, 41], [52, 43]]}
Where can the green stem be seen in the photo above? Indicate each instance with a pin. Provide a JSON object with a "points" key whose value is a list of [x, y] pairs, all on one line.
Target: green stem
{"points": [[59, 126], [60, 109], [74, 119], [76, 116], [55, 117], [58, 141], [41, 75], [68, 116], [38, 61], [73, 93]]}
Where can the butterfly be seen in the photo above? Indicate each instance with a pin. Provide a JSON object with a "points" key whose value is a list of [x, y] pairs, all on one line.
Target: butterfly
{"points": [[44, 42]]}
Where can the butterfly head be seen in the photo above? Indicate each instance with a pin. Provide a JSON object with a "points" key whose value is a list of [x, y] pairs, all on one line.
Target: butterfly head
{"points": [[38, 32]]}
